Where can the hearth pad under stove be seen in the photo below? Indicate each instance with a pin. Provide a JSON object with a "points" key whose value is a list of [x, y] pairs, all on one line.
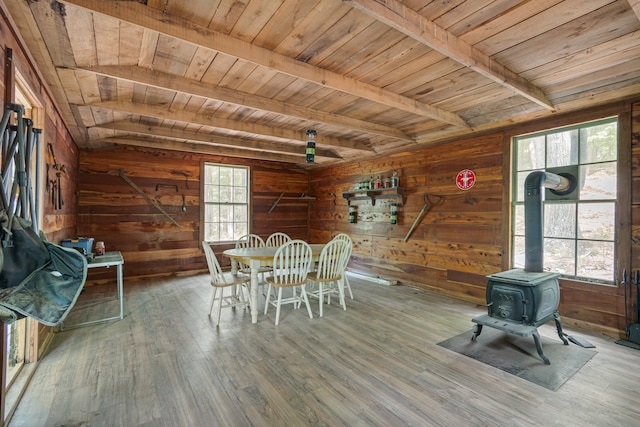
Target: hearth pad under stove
{"points": [[518, 302]]}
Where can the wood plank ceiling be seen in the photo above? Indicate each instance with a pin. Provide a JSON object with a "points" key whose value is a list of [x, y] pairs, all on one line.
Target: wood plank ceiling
{"points": [[248, 78]]}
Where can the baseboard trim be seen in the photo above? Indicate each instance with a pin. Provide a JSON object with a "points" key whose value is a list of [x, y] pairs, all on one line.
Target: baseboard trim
{"points": [[373, 278]]}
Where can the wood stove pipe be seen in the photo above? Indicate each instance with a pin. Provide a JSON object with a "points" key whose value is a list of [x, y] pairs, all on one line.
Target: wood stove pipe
{"points": [[533, 232]]}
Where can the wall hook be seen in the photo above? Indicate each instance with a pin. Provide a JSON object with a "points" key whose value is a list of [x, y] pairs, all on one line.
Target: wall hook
{"points": [[167, 186]]}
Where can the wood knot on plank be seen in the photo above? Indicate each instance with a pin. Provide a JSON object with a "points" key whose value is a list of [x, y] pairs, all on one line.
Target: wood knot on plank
{"points": [[58, 8]]}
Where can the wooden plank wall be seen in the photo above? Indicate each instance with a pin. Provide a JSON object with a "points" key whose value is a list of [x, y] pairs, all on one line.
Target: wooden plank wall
{"points": [[635, 194], [59, 223], [466, 237], [457, 242], [110, 210]]}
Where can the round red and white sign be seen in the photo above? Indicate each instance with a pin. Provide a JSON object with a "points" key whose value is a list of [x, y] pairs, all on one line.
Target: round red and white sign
{"points": [[465, 179]]}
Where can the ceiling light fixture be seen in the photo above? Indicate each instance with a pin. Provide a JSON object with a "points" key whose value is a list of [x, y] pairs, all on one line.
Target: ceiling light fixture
{"points": [[311, 145]]}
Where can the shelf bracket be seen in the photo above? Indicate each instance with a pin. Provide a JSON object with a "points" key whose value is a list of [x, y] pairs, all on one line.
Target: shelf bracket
{"points": [[275, 203]]}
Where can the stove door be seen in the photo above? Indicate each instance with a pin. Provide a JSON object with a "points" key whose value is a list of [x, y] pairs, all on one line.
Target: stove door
{"points": [[507, 302]]}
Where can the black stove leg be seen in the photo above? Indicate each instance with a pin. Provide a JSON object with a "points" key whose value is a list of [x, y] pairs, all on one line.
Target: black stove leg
{"points": [[477, 330], [536, 339], [556, 318]]}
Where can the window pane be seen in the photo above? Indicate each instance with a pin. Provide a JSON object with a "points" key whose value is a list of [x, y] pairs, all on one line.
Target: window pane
{"points": [[240, 195], [226, 231], [240, 178], [211, 232], [226, 213], [560, 220], [596, 221], [240, 229], [518, 220], [212, 213], [559, 256], [208, 175], [226, 175], [211, 194], [599, 143], [595, 260], [562, 148], [240, 214], [598, 181], [518, 252], [522, 176], [225, 194], [531, 153]]}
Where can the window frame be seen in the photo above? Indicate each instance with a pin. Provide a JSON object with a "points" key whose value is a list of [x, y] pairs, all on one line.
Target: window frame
{"points": [[576, 239], [25, 331], [205, 203]]}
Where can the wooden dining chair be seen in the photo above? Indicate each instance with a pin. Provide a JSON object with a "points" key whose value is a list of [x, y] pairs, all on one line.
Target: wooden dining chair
{"points": [[346, 238], [277, 239], [291, 264], [219, 283], [327, 279]]}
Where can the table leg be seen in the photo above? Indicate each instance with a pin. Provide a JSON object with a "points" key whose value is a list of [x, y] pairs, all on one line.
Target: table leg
{"points": [[255, 267], [120, 291]]}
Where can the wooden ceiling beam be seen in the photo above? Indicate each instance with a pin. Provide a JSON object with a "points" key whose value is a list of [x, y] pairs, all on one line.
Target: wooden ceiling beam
{"points": [[199, 137], [191, 147], [196, 88], [153, 19], [416, 26], [31, 18], [163, 113], [635, 5]]}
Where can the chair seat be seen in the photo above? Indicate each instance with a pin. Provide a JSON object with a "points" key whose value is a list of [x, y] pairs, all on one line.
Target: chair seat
{"points": [[312, 276], [272, 282], [236, 281]]}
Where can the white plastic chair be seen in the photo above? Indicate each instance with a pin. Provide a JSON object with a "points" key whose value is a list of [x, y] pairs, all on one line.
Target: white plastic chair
{"points": [[346, 238], [277, 239], [327, 279], [291, 264], [219, 282]]}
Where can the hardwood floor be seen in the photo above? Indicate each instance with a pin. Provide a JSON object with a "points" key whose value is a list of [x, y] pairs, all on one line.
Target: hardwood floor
{"points": [[375, 364]]}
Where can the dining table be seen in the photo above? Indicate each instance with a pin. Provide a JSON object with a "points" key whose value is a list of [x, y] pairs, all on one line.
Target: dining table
{"points": [[256, 258]]}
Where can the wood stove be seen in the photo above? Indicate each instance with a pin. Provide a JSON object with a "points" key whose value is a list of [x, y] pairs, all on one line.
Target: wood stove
{"points": [[520, 300]]}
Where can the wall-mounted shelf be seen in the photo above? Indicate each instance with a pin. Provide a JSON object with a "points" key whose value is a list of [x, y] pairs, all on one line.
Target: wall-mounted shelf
{"points": [[303, 197], [394, 193]]}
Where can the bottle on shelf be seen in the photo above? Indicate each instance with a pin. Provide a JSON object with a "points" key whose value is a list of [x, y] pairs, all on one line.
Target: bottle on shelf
{"points": [[378, 182], [394, 213], [395, 180]]}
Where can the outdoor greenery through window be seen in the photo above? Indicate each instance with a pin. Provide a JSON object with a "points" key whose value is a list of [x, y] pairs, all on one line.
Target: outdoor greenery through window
{"points": [[579, 234], [226, 202]]}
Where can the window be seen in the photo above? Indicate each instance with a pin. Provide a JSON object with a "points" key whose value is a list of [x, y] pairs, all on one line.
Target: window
{"points": [[226, 202], [579, 234]]}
